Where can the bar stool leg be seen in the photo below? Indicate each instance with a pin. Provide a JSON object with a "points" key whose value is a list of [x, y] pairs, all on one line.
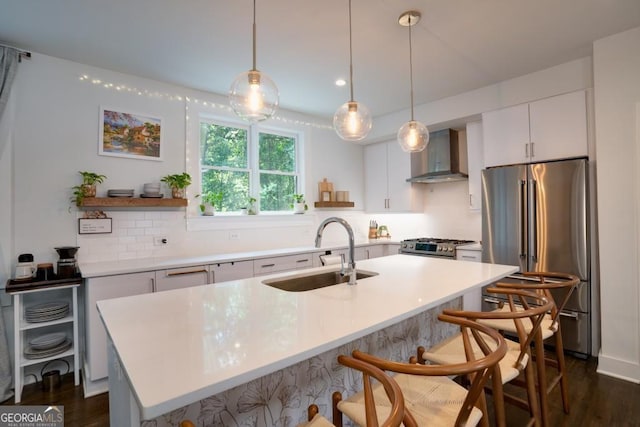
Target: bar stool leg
{"points": [[542, 379], [564, 382]]}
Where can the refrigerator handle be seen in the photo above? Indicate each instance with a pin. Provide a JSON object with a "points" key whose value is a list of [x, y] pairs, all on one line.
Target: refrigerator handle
{"points": [[534, 220], [523, 222]]}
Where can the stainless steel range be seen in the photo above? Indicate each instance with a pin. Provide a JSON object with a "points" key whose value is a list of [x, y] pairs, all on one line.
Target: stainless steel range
{"points": [[434, 247]]}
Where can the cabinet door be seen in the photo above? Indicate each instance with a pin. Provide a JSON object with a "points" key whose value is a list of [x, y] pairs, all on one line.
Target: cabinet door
{"points": [[403, 196], [102, 288], [505, 136], [368, 252], [391, 249], [559, 127], [185, 277], [375, 177], [472, 300], [475, 157], [231, 271]]}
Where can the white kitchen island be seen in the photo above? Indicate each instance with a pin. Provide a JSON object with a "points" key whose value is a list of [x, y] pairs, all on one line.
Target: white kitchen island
{"points": [[170, 349]]}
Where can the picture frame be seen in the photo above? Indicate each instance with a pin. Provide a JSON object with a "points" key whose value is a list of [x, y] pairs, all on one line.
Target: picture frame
{"points": [[130, 135]]}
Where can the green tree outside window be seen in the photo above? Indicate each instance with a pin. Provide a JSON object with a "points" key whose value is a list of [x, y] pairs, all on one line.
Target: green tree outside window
{"points": [[226, 167]]}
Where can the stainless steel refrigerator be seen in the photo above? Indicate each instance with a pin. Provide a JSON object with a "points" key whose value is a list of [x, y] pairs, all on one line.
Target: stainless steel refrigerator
{"points": [[536, 216]]}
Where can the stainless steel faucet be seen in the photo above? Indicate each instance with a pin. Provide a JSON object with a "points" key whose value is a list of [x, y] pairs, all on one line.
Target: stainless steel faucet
{"points": [[351, 266]]}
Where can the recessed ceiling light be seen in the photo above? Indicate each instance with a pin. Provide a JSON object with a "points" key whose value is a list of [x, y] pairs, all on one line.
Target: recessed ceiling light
{"points": [[341, 82]]}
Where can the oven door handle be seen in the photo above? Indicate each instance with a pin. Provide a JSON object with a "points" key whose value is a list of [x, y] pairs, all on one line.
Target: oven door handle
{"points": [[570, 314], [492, 300]]}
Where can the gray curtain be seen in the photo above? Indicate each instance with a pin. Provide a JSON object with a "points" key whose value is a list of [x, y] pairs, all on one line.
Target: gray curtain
{"points": [[8, 65]]}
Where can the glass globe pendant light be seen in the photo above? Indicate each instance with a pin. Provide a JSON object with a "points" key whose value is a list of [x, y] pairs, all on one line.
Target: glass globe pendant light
{"points": [[253, 95], [352, 121], [413, 136]]}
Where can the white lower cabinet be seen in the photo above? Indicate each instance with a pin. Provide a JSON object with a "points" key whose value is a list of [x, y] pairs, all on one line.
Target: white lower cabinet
{"points": [[264, 266], [102, 288], [472, 300], [185, 277], [235, 270], [369, 252]]}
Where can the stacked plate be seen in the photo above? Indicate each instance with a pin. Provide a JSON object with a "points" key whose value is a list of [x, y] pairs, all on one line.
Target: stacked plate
{"points": [[46, 312], [151, 189], [47, 345], [120, 193]]}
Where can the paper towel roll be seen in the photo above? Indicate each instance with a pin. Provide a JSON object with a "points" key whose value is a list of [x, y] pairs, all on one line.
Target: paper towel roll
{"points": [[331, 259]]}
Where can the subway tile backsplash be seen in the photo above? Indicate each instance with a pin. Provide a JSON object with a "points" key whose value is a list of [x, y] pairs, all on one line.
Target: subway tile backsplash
{"points": [[132, 236]]}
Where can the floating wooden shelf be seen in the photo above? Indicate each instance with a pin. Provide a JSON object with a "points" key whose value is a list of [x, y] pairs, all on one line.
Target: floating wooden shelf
{"points": [[334, 204], [131, 202]]}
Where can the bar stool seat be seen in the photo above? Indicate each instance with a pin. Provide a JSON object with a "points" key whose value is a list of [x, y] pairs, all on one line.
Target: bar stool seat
{"points": [[433, 401], [451, 350]]}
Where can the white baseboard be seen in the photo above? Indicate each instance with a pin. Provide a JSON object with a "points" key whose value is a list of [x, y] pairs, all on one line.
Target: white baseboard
{"points": [[622, 369]]}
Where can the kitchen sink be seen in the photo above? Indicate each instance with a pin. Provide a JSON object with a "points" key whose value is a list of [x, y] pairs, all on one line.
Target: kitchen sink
{"points": [[314, 281]]}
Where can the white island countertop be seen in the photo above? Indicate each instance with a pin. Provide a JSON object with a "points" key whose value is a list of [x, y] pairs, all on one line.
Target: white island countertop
{"points": [[180, 346]]}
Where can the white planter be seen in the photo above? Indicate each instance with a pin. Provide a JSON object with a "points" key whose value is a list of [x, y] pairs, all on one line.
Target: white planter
{"points": [[209, 210], [298, 208]]}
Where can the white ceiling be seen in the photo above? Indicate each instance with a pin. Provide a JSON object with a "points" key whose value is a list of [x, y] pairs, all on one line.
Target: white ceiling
{"points": [[459, 45]]}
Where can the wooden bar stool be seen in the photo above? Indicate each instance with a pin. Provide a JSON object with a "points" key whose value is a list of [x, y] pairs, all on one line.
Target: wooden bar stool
{"points": [[546, 283], [517, 358], [389, 413], [431, 397]]}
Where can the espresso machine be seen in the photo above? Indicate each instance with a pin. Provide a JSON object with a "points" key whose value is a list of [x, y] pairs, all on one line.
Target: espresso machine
{"points": [[67, 264]]}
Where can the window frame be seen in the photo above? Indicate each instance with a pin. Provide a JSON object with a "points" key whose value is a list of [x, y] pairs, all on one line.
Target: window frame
{"points": [[253, 140]]}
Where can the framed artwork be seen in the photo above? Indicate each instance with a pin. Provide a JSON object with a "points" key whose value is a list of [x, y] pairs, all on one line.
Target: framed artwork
{"points": [[131, 135]]}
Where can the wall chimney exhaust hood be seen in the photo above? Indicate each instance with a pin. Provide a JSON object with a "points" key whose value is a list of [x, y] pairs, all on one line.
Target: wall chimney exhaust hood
{"points": [[444, 160]]}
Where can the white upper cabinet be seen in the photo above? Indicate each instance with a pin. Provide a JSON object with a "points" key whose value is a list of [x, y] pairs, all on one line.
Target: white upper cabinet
{"points": [[506, 135], [476, 163], [387, 168], [559, 127], [548, 129]]}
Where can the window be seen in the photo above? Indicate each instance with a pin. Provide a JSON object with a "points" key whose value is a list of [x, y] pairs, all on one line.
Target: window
{"points": [[242, 162]]}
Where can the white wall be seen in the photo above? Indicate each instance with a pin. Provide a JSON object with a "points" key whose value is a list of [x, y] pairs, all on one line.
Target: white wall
{"points": [[617, 98], [54, 134]]}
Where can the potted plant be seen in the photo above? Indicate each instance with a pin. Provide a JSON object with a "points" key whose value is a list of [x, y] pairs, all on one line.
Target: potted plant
{"points": [[251, 208], [88, 186], [299, 205], [178, 183], [209, 201]]}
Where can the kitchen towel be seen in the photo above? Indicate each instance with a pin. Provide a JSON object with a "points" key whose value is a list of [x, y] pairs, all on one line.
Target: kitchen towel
{"points": [[331, 259]]}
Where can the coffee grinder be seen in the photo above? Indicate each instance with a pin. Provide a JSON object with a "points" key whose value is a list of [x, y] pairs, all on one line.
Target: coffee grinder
{"points": [[67, 264]]}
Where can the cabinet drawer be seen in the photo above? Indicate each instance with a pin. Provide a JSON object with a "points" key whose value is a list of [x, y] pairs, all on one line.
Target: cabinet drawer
{"points": [[467, 255], [283, 263], [225, 271], [177, 278]]}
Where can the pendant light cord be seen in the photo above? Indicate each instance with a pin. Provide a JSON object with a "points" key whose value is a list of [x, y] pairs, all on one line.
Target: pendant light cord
{"points": [[411, 66], [350, 55], [254, 36]]}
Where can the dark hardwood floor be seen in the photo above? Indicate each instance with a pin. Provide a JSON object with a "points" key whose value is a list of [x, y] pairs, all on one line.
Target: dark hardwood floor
{"points": [[596, 400]]}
